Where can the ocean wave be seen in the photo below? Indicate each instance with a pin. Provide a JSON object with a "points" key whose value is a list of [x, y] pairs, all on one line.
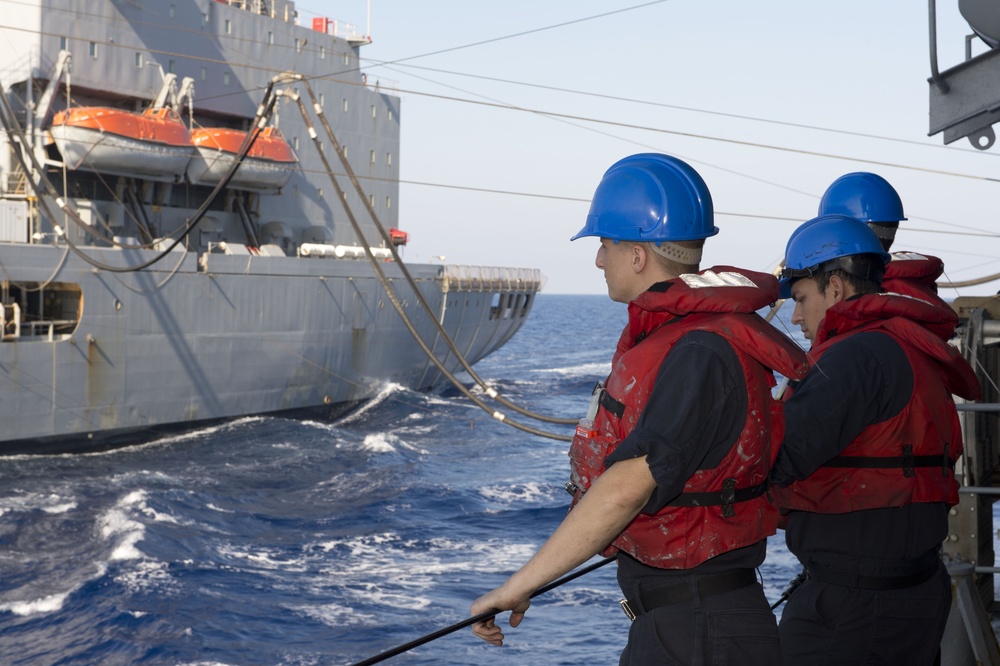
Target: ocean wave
{"points": [[48, 604], [51, 503], [51, 602], [269, 559], [594, 369], [356, 484], [388, 558], [147, 575], [337, 615], [380, 442], [117, 525], [517, 492], [170, 440], [575, 594], [360, 414]]}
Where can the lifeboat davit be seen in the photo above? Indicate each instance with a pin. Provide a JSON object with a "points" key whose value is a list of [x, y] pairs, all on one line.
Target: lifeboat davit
{"points": [[267, 166], [153, 144]]}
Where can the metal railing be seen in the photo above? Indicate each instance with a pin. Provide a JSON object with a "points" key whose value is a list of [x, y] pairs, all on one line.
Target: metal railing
{"points": [[491, 278]]}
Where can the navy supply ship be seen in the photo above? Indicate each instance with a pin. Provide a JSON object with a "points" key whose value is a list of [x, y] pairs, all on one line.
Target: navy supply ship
{"points": [[199, 221]]}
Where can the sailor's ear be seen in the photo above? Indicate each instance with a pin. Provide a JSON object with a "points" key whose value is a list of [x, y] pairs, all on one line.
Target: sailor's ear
{"points": [[836, 289], [639, 258]]}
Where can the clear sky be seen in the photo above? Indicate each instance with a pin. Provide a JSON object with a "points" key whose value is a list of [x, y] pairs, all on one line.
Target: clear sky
{"points": [[769, 100]]}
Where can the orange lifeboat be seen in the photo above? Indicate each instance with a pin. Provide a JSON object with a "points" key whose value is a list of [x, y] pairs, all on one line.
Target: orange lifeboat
{"points": [[267, 166], [154, 144]]}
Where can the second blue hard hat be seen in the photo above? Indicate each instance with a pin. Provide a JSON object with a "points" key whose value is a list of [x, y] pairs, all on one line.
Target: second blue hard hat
{"points": [[650, 197], [864, 196]]}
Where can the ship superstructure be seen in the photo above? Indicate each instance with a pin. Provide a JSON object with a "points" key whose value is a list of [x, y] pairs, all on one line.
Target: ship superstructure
{"points": [[153, 276]]}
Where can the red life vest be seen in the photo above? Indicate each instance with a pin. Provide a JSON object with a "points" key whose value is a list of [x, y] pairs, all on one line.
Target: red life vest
{"points": [[726, 507], [911, 456], [913, 274]]}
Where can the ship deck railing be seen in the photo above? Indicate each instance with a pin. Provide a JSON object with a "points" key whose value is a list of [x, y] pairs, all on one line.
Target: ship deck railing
{"points": [[456, 277]]}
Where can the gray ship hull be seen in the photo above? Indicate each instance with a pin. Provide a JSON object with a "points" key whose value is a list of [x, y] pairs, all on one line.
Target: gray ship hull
{"points": [[185, 344]]}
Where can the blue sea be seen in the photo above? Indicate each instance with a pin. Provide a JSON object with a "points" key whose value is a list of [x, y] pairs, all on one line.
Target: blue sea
{"points": [[270, 541]]}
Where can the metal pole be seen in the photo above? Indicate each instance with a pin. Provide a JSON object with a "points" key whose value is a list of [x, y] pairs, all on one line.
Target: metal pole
{"points": [[978, 406], [932, 21], [978, 490]]}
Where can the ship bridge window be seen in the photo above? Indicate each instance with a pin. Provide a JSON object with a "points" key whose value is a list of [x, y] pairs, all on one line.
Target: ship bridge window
{"points": [[229, 27], [298, 45], [31, 311], [138, 60], [322, 52], [172, 67], [62, 43], [371, 156], [173, 11], [92, 49], [204, 73], [344, 105], [388, 159], [322, 99], [347, 58], [388, 202], [270, 37], [374, 112], [225, 78]]}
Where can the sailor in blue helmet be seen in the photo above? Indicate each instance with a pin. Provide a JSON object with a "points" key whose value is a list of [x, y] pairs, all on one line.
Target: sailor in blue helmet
{"points": [[870, 198], [865, 473], [670, 468]]}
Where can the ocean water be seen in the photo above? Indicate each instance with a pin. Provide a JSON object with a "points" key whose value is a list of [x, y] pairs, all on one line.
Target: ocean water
{"points": [[270, 541]]}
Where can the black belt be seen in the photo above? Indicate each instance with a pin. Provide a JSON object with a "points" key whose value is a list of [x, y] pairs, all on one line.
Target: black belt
{"points": [[824, 575], [675, 594]]}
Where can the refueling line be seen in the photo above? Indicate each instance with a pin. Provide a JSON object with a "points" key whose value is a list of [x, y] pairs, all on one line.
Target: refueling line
{"points": [[391, 294], [387, 239]]}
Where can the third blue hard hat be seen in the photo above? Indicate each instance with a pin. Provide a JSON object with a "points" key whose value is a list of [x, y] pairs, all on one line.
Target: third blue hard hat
{"points": [[827, 243], [650, 197], [864, 196]]}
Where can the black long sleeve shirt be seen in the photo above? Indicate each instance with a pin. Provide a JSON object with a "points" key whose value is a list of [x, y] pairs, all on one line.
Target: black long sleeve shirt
{"points": [[863, 380]]}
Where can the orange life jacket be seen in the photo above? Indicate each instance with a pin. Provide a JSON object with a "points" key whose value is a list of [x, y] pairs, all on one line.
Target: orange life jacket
{"points": [[722, 508], [911, 456]]}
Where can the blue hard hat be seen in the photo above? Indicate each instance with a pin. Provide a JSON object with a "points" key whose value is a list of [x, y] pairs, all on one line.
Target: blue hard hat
{"points": [[827, 243], [864, 196], [650, 197]]}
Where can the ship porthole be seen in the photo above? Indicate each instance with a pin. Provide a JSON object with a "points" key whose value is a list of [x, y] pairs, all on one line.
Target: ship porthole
{"points": [[118, 304], [327, 400]]}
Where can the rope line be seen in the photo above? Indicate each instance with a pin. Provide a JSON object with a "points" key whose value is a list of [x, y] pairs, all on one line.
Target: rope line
{"points": [[485, 615]]}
